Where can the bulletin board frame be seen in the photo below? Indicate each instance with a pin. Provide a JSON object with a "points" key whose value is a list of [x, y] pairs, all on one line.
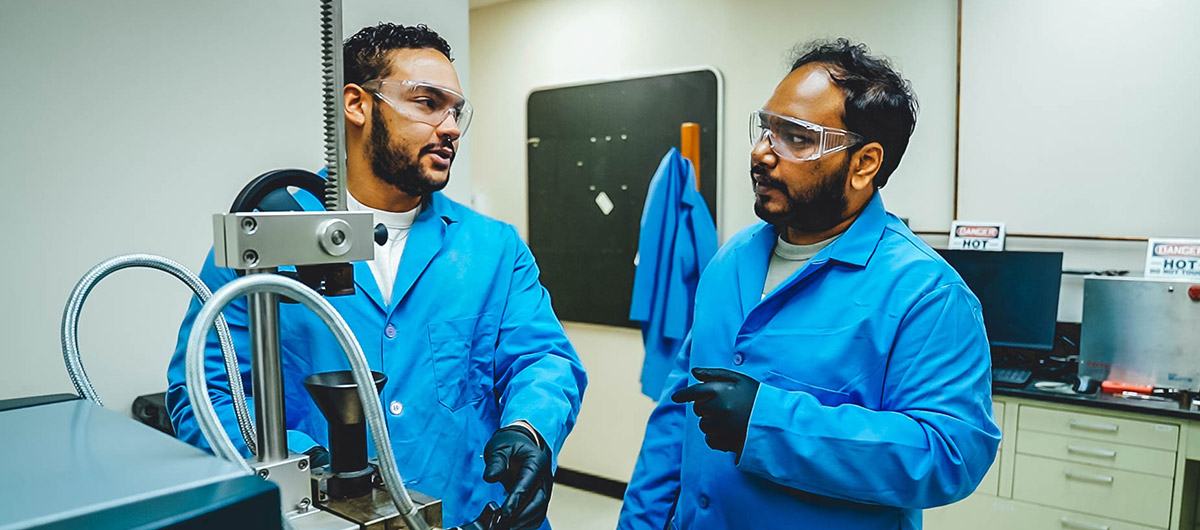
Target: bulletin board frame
{"points": [[592, 149]]}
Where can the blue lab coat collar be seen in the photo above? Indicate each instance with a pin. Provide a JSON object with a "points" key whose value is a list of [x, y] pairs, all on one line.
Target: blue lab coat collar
{"points": [[425, 239], [854, 247], [857, 244]]}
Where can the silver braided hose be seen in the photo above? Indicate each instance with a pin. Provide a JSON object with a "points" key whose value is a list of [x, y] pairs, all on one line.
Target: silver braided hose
{"points": [[70, 331], [372, 408]]}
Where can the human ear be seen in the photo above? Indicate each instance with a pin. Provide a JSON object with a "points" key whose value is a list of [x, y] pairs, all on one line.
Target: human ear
{"points": [[357, 104], [865, 165]]}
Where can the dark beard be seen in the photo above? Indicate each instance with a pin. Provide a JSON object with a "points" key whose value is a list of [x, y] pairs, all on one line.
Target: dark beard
{"points": [[815, 210], [394, 166]]}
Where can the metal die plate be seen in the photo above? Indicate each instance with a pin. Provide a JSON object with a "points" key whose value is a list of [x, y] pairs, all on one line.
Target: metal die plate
{"points": [[261, 240]]}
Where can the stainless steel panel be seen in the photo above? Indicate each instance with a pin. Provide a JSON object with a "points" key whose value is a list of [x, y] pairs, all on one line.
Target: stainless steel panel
{"points": [[1141, 331]]}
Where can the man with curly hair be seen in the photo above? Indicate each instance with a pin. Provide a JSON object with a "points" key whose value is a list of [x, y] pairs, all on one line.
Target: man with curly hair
{"points": [[483, 386], [837, 371]]}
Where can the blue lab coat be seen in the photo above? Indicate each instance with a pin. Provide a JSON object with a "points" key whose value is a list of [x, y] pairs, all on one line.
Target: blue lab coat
{"points": [[676, 241], [875, 399], [469, 344]]}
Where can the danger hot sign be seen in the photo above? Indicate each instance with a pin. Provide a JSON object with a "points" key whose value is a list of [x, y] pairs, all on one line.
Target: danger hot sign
{"points": [[968, 235], [1173, 258]]}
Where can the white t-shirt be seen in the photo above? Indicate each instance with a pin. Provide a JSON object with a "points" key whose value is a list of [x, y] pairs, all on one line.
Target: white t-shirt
{"points": [[387, 256], [787, 258]]}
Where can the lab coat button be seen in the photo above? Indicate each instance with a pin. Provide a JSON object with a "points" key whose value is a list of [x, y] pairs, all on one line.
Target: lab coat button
{"points": [[738, 359], [390, 331], [396, 408], [702, 501]]}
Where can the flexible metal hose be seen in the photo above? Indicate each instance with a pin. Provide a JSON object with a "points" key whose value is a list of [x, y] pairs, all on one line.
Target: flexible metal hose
{"points": [[70, 331], [206, 415]]}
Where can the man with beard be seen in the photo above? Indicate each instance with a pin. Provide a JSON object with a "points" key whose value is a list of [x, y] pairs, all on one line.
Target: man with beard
{"points": [[840, 372], [482, 382]]}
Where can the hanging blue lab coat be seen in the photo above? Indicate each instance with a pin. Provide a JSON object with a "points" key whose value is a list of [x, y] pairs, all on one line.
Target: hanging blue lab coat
{"points": [[875, 399], [677, 240], [469, 344]]}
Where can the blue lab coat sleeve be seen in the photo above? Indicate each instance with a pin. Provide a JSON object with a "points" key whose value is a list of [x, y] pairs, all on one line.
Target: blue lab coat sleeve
{"points": [[180, 407], [539, 377], [929, 445], [654, 489]]}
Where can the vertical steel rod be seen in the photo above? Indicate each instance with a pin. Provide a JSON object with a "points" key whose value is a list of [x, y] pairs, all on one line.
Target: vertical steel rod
{"points": [[267, 371]]}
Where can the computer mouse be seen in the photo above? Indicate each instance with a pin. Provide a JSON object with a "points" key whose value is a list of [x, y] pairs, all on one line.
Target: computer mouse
{"points": [[1086, 385]]}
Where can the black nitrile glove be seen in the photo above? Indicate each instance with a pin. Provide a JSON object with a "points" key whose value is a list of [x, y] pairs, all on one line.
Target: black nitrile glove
{"points": [[724, 399], [514, 459], [317, 456]]}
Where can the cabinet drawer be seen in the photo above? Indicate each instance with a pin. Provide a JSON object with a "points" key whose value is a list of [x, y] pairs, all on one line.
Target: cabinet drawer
{"points": [[984, 512], [1097, 427], [1104, 492], [1098, 453], [998, 416], [991, 481]]}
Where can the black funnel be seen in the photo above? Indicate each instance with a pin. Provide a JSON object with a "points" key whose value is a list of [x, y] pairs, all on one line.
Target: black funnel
{"points": [[337, 396]]}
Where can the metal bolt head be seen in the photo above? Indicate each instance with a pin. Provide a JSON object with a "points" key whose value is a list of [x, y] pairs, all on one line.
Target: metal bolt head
{"points": [[249, 225], [250, 258], [264, 473], [338, 237], [303, 465]]}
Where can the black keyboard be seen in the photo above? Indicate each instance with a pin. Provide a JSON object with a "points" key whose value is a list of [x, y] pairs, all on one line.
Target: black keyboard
{"points": [[1011, 377]]}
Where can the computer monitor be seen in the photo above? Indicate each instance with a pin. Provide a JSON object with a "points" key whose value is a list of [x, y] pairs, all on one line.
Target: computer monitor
{"points": [[1018, 292]]}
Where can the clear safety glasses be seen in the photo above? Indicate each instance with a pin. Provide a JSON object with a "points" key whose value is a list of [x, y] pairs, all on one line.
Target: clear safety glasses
{"points": [[796, 139], [423, 102]]}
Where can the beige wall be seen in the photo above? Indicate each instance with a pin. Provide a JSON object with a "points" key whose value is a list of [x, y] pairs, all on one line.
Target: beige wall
{"points": [[526, 44]]}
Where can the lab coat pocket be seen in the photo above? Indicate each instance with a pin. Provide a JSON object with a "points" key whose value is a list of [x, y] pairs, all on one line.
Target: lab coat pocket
{"points": [[827, 397], [462, 352]]}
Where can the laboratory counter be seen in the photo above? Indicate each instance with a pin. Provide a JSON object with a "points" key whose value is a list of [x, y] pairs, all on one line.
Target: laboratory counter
{"points": [[1166, 407], [1085, 461]]}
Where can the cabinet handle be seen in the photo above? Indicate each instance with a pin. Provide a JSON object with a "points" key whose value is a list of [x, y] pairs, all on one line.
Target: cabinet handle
{"points": [[1102, 453], [1088, 477], [1098, 427], [1068, 523]]}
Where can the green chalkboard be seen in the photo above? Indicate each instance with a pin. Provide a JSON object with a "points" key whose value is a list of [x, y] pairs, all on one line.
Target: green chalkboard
{"points": [[607, 138]]}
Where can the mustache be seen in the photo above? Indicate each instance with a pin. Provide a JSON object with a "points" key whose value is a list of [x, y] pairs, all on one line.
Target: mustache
{"points": [[760, 176], [441, 145]]}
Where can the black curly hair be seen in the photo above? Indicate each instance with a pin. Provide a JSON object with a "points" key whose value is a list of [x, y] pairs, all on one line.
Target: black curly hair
{"points": [[365, 54], [880, 104]]}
